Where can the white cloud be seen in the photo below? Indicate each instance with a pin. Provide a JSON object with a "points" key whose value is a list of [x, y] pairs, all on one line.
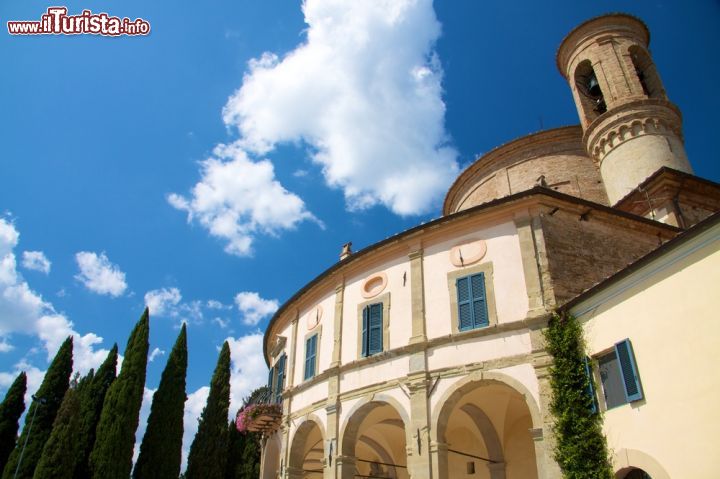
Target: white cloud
{"points": [[36, 261], [162, 302], [238, 198], [24, 311], [214, 304], [365, 92], [99, 275], [248, 370], [253, 307], [155, 353], [193, 408]]}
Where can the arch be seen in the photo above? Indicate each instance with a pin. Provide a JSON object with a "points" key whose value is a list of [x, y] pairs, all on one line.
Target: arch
{"points": [[646, 73], [271, 457], [625, 460], [298, 442], [590, 94], [494, 444], [356, 431], [364, 407], [477, 379]]}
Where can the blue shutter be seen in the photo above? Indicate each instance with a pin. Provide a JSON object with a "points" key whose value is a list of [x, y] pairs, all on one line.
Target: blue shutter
{"points": [[465, 319], [366, 314], [280, 380], [479, 303], [310, 351], [270, 383], [628, 369], [590, 390], [375, 329]]}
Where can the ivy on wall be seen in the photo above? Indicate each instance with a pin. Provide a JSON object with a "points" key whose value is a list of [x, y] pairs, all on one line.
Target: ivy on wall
{"points": [[581, 449]]}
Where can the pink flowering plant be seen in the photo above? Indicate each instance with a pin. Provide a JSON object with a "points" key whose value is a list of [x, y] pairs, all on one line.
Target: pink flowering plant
{"points": [[246, 416]]}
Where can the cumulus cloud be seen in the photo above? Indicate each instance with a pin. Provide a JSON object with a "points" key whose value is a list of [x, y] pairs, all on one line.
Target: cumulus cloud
{"points": [[162, 302], [238, 198], [24, 311], [247, 373], [36, 261], [253, 307], [142, 422], [99, 275], [365, 92], [248, 370]]}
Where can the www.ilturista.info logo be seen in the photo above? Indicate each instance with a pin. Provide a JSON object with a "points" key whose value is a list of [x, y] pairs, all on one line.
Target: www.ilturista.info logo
{"points": [[57, 22]]}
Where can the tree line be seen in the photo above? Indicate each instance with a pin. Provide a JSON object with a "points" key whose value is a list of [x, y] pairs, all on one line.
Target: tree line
{"points": [[84, 427]]}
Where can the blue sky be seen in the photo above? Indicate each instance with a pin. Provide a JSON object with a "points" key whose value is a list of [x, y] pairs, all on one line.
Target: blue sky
{"points": [[215, 166]]}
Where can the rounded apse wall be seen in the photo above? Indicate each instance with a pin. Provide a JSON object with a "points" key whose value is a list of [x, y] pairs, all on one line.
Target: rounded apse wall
{"points": [[553, 158]]}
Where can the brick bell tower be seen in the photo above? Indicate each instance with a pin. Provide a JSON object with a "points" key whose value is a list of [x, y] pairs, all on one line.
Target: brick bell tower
{"points": [[631, 129]]}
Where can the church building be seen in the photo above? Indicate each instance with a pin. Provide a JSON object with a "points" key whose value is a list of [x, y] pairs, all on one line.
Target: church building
{"points": [[423, 355]]}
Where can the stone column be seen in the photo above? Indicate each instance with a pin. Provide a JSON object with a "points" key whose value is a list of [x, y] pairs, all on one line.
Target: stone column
{"points": [[417, 295], [331, 469], [346, 466], [287, 400], [418, 437], [544, 437], [439, 454]]}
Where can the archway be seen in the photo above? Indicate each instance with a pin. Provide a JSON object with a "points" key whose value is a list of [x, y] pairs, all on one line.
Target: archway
{"points": [[306, 452], [271, 457], [373, 443], [484, 427]]}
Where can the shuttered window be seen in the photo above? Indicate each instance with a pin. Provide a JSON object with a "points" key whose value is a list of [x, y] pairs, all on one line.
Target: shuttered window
{"points": [[310, 355], [619, 375], [472, 302], [372, 329], [280, 378]]}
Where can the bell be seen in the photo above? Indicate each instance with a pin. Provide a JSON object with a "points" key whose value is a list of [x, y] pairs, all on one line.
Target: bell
{"points": [[594, 87]]}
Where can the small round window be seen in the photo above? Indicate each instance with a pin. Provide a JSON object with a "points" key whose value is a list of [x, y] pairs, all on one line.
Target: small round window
{"points": [[374, 285]]}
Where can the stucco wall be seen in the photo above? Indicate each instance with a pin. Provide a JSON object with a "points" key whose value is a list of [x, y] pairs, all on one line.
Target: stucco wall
{"points": [[503, 251], [670, 316]]}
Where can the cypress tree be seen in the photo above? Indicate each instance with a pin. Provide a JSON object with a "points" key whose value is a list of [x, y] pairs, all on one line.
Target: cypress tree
{"points": [[208, 453], [161, 448], [111, 457], [11, 409], [41, 415], [91, 402], [59, 456]]}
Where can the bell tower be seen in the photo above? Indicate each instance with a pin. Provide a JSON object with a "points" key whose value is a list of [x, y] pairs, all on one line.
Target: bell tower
{"points": [[630, 128]]}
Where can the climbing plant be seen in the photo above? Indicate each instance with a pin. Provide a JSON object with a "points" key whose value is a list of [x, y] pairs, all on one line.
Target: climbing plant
{"points": [[581, 449]]}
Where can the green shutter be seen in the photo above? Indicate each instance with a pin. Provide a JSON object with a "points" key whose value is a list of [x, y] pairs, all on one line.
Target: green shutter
{"points": [[628, 370], [590, 390], [465, 316], [366, 314], [270, 382], [310, 352], [280, 380], [479, 303], [375, 329]]}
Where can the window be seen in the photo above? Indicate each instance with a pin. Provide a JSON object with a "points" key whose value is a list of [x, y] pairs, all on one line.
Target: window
{"points": [[279, 379], [372, 329], [310, 356], [472, 302], [619, 375]]}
